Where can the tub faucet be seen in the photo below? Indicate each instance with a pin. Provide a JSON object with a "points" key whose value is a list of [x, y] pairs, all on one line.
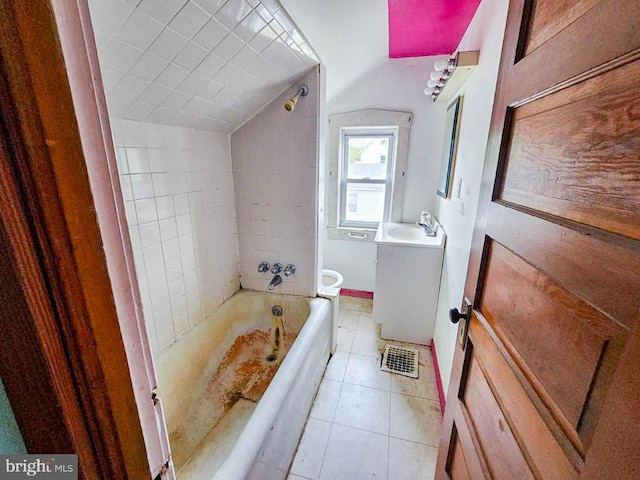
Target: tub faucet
{"points": [[277, 280]]}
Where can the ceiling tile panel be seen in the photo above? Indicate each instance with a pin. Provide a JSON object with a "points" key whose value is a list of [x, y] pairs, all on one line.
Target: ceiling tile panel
{"points": [[168, 44], [161, 10], [211, 34], [207, 64], [139, 30]]}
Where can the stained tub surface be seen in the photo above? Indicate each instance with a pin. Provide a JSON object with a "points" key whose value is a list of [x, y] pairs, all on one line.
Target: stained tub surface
{"points": [[225, 384]]}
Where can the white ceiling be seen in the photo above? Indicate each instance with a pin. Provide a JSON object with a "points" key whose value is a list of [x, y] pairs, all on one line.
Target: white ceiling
{"points": [[207, 64], [350, 36]]}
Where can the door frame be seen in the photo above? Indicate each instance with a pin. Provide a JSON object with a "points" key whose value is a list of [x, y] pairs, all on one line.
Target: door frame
{"points": [[66, 269]]}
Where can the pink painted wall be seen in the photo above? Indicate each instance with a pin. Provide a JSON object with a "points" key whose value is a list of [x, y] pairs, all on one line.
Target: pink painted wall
{"points": [[420, 28]]}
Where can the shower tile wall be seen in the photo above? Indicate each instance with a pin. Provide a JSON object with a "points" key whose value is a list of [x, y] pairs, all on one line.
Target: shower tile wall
{"points": [[178, 190], [275, 177]]}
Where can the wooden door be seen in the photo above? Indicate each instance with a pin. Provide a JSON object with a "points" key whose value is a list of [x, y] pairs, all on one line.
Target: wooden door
{"points": [[548, 382]]}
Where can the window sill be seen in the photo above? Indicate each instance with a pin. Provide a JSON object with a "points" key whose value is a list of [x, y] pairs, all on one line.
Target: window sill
{"points": [[351, 234]]}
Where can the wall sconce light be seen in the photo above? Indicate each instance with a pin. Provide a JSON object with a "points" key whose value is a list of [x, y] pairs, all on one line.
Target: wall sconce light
{"points": [[449, 75]]}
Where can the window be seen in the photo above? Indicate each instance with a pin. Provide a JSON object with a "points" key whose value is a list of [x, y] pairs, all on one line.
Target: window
{"points": [[365, 171], [353, 203], [366, 176]]}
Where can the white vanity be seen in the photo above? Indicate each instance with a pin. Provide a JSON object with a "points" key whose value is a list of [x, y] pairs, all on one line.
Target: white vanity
{"points": [[408, 269]]}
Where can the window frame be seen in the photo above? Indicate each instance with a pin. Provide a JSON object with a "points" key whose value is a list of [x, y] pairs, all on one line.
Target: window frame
{"points": [[363, 119], [388, 181]]}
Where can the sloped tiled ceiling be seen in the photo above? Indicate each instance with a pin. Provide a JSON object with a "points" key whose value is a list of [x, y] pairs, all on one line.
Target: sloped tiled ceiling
{"points": [[207, 64]]}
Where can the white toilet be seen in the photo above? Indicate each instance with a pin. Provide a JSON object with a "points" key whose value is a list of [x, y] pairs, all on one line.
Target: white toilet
{"points": [[331, 279]]}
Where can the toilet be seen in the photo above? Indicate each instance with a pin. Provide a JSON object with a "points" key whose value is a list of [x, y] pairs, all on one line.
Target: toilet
{"points": [[331, 279]]}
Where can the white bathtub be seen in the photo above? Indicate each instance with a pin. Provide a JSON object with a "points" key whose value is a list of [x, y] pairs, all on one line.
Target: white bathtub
{"points": [[253, 440]]}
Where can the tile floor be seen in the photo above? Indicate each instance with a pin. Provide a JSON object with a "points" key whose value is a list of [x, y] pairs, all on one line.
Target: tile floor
{"points": [[366, 423]]}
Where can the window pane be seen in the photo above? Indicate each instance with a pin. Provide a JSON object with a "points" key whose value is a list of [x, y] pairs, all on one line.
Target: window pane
{"points": [[367, 157], [353, 203], [369, 205]]}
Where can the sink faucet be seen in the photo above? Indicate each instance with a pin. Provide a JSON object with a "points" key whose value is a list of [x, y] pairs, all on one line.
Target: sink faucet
{"points": [[277, 280], [426, 224], [429, 231]]}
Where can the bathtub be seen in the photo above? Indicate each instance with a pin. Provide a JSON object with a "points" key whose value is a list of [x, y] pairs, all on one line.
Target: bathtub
{"points": [[227, 421]]}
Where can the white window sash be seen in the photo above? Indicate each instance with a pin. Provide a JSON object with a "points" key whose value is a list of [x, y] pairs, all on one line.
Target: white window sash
{"points": [[345, 180]]}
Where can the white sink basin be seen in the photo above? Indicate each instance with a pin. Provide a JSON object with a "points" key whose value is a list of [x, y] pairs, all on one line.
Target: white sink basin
{"points": [[408, 234]]}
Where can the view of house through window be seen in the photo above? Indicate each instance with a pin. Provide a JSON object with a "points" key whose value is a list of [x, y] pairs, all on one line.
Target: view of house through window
{"points": [[367, 173]]}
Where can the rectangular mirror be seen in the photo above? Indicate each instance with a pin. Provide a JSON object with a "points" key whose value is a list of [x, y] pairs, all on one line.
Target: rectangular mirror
{"points": [[447, 162]]}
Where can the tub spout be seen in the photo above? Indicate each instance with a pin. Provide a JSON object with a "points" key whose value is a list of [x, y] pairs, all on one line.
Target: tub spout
{"points": [[277, 280]]}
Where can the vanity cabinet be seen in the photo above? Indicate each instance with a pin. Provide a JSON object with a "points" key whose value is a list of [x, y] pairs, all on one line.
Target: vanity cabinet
{"points": [[408, 270]]}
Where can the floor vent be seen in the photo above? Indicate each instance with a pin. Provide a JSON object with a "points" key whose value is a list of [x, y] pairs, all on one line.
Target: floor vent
{"points": [[400, 360]]}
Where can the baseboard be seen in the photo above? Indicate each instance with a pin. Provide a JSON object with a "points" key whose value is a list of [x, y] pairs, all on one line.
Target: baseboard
{"points": [[436, 368], [347, 292]]}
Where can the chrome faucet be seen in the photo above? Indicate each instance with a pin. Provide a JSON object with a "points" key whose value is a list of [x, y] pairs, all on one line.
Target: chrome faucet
{"points": [[263, 267], [277, 280], [276, 269], [426, 224], [429, 231], [289, 270]]}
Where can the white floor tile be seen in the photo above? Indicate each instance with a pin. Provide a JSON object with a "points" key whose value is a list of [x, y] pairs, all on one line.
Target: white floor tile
{"points": [[423, 387], [349, 319], [366, 323], [367, 305], [324, 406], [415, 419], [350, 303], [337, 366], [411, 461], [345, 339], [365, 343], [363, 407], [313, 444], [355, 454], [365, 370]]}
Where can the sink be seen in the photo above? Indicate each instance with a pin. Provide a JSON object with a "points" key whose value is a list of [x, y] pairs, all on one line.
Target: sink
{"points": [[408, 234]]}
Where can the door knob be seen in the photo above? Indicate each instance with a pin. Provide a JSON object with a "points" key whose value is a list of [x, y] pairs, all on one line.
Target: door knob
{"points": [[455, 315]]}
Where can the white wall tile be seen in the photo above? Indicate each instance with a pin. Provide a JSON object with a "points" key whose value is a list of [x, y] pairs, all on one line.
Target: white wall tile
{"points": [[149, 234], [180, 315], [179, 285], [142, 187], [277, 224]]}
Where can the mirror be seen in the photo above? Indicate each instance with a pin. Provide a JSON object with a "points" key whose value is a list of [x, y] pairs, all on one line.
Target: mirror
{"points": [[447, 162]]}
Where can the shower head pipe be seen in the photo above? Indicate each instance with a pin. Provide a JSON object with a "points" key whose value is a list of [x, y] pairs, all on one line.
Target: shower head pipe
{"points": [[290, 104]]}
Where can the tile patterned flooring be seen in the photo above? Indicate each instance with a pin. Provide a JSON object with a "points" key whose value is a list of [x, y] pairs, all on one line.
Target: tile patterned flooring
{"points": [[366, 423]]}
